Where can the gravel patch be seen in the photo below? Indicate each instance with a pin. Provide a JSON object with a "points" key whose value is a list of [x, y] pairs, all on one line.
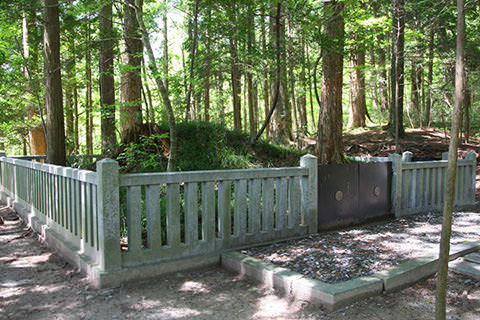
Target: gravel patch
{"points": [[361, 251]]}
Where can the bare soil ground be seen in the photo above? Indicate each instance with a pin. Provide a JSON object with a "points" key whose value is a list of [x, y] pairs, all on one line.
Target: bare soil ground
{"points": [[37, 284]]}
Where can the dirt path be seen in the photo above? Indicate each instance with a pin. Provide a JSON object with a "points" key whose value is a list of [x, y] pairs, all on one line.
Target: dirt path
{"points": [[36, 284]]}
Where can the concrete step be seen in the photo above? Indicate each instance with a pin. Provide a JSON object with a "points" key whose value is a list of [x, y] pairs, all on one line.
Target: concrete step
{"points": [[467, 268], [473, 257]]}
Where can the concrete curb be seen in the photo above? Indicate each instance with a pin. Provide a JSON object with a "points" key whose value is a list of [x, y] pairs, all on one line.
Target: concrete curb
{"points": [[293, 284], [334, 296]]}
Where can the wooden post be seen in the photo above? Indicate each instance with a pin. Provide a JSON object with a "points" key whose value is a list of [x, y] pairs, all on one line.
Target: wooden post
{"points": [[310, 192], [108, 183], [396, 182]]}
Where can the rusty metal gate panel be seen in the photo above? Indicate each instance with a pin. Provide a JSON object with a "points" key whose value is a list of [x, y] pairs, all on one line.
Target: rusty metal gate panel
{"points": [[353, 193]]}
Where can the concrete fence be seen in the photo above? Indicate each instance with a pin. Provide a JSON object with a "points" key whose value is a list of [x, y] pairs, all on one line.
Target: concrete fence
{"points": [[121, 227], [420, 186]]}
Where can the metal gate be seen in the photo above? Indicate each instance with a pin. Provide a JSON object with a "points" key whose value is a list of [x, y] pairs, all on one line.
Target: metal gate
{"points": [[353, 193]]}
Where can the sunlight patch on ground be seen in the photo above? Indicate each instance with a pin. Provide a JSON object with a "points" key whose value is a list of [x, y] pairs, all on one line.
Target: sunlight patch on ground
{"points": [[30, 261], [272, 306], [175, 313], [194, 287]]}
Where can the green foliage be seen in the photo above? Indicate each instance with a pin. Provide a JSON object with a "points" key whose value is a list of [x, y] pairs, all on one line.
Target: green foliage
{"points": [[204, 146], [144, 155]]}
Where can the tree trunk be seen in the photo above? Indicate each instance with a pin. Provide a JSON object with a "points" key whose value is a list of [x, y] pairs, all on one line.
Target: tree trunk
{"points": [[188, 112], [382, 75], [467, 107], [429, 103], [396, 128], [236, 78], [165, 45], [282, 126], [329, 142], [172, 160], [302, 97], [53, 85], [441, 292], [266, 84], [358, 105], [131, 81], [206, 82], [88, 95], [107, 82], [415, 92], [251, 94]]}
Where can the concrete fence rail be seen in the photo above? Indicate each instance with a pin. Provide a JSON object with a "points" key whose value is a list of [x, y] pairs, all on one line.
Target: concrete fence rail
{"points": [[420, 186]]}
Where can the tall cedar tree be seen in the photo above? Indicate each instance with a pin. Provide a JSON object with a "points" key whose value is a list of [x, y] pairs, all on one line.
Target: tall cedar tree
{"points": [[107, 83], [53, 85], [329, 141]]}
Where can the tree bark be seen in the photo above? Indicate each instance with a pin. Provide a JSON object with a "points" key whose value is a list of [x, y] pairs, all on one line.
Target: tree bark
{"points": [[441, 290], [206, 82], [131, 81], [329, 142], [107, 81], [235, 73], [429, 103], [56, 153], [282, 126], [251, 94], [358, 105], [396, 127], [188, 112], [88, 94]]}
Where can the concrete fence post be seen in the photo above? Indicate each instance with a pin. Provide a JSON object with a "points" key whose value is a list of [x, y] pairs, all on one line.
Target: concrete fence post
{"points": [[310, 191], [2, 154], [472, 156], [108, 197], [397, 182], [444, 155], [407, 156]]}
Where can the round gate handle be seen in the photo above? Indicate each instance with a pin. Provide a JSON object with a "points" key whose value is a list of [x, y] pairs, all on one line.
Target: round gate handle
{"points": [[339, 195], [377, 191]]}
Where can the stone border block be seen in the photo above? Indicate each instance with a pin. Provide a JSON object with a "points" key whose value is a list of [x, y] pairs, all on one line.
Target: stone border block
{"points": [[293, 284], [407, 273]]}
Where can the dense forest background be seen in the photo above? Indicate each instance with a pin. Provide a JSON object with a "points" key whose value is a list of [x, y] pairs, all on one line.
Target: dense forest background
{"points": [[96, 75]]}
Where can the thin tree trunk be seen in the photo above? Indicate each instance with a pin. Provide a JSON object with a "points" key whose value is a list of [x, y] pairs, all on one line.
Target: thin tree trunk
{"points": [[172, 160], [107, 82], [266, 84], [302, 97], [188, 114], [282, 126], [56, 153], [441, 290], [165, 45], [251, 94], [206, 82], [398, 76], [236, 85], [329, 143], [310, 89], [429, 103]]}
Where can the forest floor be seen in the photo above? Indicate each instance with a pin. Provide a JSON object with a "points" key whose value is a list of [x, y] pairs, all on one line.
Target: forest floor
{"points": [[423, 143]]}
